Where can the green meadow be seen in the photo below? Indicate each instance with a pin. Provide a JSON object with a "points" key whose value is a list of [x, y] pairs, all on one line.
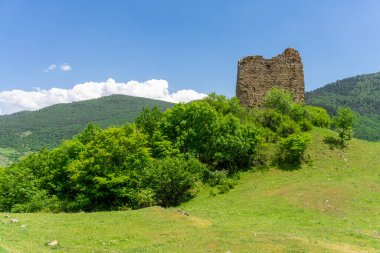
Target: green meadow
{"points": [[6, 155], [330, 204]]}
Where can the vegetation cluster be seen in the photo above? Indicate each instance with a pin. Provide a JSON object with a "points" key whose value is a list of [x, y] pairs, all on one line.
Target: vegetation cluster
{"points": [[162, 158], [360, 93], [29, 131]]}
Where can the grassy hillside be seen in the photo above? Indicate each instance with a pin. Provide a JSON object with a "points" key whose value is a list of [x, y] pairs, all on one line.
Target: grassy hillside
{"points": [[361, 93], [30, 131], [330, 205]]}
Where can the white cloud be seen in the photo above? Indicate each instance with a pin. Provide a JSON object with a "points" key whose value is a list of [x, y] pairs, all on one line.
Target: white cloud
{"points": [[65, 67], [18, 100], [50, 68]]}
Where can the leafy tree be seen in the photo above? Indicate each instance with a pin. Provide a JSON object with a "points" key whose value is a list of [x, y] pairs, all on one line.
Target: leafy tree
{"points": [[148, 120], [224, 105], [88, 133], [20, 191], [344, 122], [161, 147], [235, 145], [191, 128], [106, 175], [214, 138]]}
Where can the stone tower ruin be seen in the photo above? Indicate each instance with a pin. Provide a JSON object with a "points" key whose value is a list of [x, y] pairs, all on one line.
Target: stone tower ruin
{"points": [[256, 76]]}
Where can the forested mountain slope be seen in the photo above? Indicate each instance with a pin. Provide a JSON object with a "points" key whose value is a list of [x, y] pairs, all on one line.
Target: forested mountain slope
{"points": [[361, 93], [30, 131]]}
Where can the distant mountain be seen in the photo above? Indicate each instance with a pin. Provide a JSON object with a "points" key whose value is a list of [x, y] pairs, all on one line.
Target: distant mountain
{"points": [[29, 131], [361, 93]]}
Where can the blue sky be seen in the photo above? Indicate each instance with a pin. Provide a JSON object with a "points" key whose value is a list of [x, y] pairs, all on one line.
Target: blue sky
{"points": [[190, 44]]}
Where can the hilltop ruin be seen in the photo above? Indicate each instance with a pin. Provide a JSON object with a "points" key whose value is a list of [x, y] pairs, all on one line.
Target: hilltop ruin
{"points": [[256, 76]]}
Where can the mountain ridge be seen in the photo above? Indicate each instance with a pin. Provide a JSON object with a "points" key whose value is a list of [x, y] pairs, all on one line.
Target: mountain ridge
{"points": [[28, 131]]}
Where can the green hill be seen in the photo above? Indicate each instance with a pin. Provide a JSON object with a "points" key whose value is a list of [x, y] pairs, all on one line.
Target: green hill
{"points": [[30, 131], [330, 205], [361, 93]]}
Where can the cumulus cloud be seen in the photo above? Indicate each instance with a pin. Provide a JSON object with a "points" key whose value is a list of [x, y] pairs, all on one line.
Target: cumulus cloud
{"points": [[65, 67], [19, 100], [50, 68]]}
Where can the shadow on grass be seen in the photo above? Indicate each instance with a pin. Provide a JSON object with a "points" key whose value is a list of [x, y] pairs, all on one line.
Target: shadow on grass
{"points": [[288, 166], [333, 142]]}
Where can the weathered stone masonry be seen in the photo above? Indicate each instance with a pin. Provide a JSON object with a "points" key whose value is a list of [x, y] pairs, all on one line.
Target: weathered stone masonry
{"points": [[256, 76]]}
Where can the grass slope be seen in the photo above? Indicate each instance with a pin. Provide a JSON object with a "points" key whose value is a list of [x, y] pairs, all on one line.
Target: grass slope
{"points": [[7, 155], [30, 131], [332, 205], [361, 93]]}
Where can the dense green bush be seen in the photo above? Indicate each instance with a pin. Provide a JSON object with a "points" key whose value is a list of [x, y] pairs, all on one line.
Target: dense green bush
{"points": [[297, 112], [288, 127], [214, 138], [305, 116], [234, 145], [173, 180], [292, 148], [318, 116], [279, 99], [191, 128], [107, 172], [281, 124], [305, 125], [271, 119], [19, 191]]}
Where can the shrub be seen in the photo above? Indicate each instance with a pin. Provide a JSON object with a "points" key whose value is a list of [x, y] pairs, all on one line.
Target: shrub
{"points": [[318, 116], [272, 119], [293, 148], [305, 125], [214, 178], [288, 127], [279, 99], [173, 179], [297, 112], [39, 201], [145, 198]]}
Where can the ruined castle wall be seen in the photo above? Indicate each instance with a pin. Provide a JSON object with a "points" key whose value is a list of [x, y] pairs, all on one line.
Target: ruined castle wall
{"points": [[256, 76]]}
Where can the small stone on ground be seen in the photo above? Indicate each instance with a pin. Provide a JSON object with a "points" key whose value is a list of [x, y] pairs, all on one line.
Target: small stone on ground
{"points": [[52, 243], [14, 221]]}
